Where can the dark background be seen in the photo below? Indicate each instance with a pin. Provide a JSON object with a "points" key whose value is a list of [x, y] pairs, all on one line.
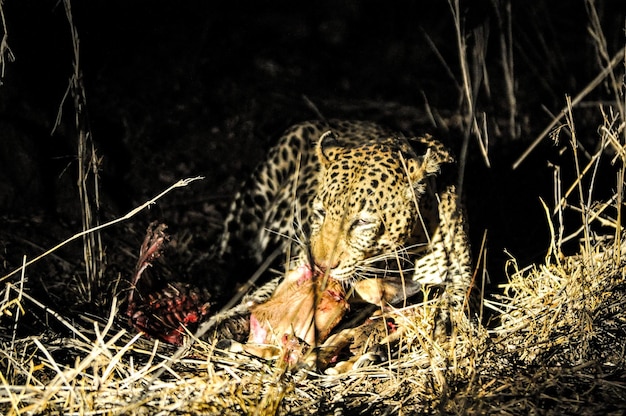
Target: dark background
{"points": [[179, 89]]}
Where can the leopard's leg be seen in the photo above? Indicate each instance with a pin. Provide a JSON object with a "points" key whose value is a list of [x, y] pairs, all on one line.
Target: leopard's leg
{"points": [[447, 261]]}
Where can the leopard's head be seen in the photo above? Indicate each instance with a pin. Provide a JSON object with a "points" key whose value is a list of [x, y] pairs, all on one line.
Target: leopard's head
{"points": [[367, 200]]}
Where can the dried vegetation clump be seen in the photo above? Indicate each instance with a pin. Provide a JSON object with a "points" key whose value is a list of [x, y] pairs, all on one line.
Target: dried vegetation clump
{"points": [[560, 344], [558, 347]]}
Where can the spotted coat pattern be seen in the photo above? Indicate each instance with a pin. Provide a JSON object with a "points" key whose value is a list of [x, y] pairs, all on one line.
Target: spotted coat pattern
{"points": [[356, 201]]}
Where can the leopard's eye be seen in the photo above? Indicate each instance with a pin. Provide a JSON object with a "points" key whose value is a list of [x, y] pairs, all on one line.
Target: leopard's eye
{"points": [[363, 223], [319, 213]]}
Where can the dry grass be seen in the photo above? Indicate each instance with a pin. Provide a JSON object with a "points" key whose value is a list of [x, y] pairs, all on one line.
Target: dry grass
{"points": [[106, 370], [558, 347]]}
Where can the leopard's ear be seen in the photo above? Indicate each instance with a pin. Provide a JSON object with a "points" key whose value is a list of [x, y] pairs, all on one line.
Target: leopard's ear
{"points": [[420, 168], [423, 166], [326, 149], [439, 152]]}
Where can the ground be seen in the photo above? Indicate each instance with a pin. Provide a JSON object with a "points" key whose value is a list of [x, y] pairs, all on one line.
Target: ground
{"points": [[203, 88]]}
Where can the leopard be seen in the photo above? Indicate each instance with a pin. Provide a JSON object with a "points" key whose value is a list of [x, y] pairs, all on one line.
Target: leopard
{"points": [[360, 203]]}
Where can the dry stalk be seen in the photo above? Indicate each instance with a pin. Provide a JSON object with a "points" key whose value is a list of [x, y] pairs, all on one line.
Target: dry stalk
{"points": [[595, 214], [441, 59], [19, 310], [481, 265], [597, 34], [88, 178], [614, 127], [579, 175], [5, 50], [505, 30], [617, 59], [57, 315], [469, 89], [181, 183], [561, 202]]}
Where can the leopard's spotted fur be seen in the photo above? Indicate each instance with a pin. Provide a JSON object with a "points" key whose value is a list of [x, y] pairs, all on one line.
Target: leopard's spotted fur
{"points": [[357, 202]]}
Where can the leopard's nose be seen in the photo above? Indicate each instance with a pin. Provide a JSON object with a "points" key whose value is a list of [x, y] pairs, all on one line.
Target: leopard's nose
{"points": [[326, 266]]}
